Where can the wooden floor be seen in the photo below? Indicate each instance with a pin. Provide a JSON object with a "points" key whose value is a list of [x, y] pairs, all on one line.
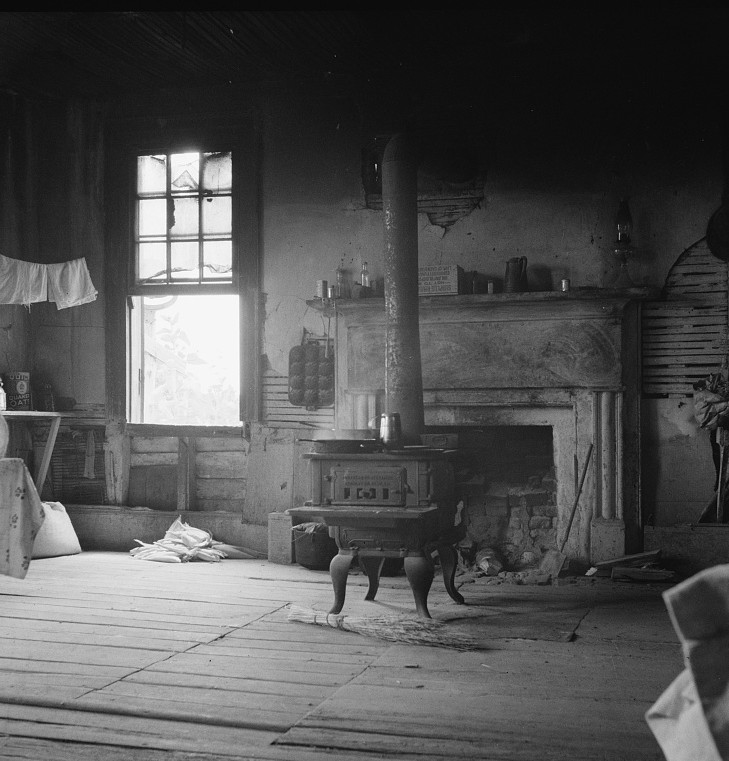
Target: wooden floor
{"points": [[104, 657]]}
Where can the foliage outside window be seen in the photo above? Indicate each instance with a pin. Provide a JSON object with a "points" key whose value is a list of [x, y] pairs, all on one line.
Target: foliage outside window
{"points": [[184, 316]]}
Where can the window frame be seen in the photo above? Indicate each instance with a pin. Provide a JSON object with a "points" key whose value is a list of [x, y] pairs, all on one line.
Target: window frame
{"points": [[126, 142], [157, 288]]}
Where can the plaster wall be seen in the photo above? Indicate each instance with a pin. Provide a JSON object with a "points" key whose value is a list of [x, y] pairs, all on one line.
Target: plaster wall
{"points": [[554, 204], [678, 471], [552, 180]]}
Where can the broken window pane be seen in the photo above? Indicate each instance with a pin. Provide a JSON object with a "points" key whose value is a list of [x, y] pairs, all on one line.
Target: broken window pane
{"points": [[217, 172]]}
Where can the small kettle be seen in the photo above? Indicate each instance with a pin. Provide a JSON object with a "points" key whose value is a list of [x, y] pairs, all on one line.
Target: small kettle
{"points": [[515, 279]]}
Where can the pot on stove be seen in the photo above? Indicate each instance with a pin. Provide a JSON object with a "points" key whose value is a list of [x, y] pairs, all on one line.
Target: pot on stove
{"points": [[343, 441]]}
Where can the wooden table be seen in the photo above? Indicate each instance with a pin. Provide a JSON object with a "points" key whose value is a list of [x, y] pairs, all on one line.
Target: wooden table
{"points": [[32, 416]]}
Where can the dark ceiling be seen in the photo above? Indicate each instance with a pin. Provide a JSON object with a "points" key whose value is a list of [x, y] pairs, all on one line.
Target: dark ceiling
{"points": [[112, 53]]}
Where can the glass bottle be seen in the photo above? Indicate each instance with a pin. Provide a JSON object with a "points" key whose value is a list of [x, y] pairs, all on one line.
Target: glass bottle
{"points": [[364, 277], [340, 287], [3, 398]]}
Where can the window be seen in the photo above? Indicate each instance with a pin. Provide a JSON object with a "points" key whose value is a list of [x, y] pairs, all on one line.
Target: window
{"points": [[183, 316]]}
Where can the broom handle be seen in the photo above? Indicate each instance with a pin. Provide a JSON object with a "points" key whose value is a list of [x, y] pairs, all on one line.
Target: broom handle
{"points": [[577, 498]]}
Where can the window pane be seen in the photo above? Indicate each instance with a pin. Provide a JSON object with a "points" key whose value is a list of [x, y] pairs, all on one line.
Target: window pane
{"points": [[218, 260], [186, 221], [152, 216], [217, 216], [178, 217], [185, 261], [185, 172], [217, 172], [151, 175], [152, 261], [190, 363]]}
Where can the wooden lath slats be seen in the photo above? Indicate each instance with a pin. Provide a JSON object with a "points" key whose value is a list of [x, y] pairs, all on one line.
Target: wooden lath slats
{"points": [[278, 411], [691, 370], [685, 336], [688, 359]]}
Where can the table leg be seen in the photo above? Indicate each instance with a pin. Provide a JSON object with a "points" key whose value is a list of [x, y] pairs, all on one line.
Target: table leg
{"points": [[339, 570], [42, 469], [372, 566], [448, 562], [420, 573]]}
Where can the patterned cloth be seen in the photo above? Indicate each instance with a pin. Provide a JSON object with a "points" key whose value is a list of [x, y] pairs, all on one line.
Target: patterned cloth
{"points": [[21, 515]]}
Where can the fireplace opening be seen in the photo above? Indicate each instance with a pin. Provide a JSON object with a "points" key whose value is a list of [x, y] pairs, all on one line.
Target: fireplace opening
{"points": [[506, 491]]}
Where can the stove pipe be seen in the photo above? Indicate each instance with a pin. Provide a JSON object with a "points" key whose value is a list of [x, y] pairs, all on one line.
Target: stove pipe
{"points": [[403, 370]]}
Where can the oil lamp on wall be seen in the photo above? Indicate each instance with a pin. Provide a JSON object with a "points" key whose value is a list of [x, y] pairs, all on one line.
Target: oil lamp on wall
{"points": [[623, 249]]}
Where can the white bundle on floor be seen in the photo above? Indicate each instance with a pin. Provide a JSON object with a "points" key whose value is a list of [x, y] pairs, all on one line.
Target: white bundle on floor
{"points": [[414, 631], [181, 543]]}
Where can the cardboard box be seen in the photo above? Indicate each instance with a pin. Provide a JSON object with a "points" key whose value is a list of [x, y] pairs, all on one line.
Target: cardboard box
{"points": [[17, 390], [439, 279], [280, 539]]}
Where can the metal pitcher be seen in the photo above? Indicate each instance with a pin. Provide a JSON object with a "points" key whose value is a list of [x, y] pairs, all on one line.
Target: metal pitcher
{"points": [[390, 429], [515, 279]]}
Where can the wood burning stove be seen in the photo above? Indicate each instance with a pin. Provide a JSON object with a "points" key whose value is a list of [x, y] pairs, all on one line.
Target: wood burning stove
{"points": [[392, 503], [395, 502]]}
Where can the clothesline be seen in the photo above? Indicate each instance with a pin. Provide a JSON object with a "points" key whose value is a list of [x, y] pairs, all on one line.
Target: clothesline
{"points": [[67, 284]]}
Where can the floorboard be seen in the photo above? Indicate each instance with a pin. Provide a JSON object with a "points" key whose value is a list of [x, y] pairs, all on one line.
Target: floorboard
{"points": [[107, 658]]}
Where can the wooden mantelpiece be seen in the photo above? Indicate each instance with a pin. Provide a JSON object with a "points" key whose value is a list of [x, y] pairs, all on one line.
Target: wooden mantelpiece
{"points": [[569, 360], [584, 338]]}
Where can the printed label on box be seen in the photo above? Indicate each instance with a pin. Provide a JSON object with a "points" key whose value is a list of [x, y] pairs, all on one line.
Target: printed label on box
{"points": [[438, 279]]}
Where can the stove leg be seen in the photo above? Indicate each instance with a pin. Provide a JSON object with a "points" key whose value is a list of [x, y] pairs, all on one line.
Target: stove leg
{"points": [[372, 566], [419, 570], [339, 571], [448, 562]]}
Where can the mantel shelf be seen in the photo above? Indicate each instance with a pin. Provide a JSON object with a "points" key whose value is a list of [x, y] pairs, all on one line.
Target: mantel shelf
{"points": [[638, 293]]}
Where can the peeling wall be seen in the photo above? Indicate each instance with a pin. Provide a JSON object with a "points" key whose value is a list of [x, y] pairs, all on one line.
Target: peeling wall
{"points": [[678, 471]]}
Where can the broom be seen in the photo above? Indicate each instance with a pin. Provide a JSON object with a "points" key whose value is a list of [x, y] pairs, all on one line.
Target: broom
{"points": [[422, 631], [553, 560]]}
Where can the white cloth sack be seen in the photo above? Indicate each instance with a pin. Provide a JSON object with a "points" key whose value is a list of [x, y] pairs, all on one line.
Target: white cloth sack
{"points": [[691, 719], [56, 536], [678, 723]]}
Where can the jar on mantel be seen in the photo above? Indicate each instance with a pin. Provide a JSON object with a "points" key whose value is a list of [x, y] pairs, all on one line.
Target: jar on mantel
{"points": [[341, 284]]}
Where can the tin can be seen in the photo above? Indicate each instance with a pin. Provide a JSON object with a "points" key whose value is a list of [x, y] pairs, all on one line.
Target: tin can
{"points": [[490, 286], [565, 284], [330, 292], [17, 389], [321, 289]]}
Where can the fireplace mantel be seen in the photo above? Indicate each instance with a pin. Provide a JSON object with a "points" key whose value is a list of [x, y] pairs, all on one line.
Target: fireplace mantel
{"points": [[566, 359], [578, 339]]}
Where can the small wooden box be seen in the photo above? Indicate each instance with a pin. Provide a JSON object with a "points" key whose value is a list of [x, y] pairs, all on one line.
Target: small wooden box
{"points": [[439, 279]]}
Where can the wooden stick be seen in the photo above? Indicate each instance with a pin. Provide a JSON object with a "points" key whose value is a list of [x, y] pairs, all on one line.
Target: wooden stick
{"points": [[577, 498]]}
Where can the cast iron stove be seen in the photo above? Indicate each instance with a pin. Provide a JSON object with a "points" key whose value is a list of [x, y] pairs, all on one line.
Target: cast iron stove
{"points": [[390, 504]]}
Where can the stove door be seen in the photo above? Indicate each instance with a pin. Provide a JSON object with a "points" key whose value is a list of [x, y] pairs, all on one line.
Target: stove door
{"points": [[362, 483]]}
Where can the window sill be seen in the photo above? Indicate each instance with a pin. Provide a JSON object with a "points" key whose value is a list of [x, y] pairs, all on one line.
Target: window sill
{"points": [[192, 431]]}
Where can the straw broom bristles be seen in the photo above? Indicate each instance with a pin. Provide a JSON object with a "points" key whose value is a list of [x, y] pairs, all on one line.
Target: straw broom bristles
{"points": [[421, 631]]}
